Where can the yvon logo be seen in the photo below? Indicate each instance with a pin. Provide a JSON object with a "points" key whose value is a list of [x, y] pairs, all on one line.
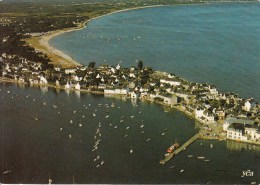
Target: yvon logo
{"points": [[247, 173]]}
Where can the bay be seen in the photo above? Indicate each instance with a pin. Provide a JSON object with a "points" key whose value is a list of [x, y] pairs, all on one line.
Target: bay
{"points": [[47, 133], [213, 43], [41, 138]]}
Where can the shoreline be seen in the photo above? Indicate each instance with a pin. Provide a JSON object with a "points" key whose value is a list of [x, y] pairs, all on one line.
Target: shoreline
{"points": [[202, 132], [58, 57]]}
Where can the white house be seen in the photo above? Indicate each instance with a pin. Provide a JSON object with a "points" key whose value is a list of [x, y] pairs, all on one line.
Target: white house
{"points": [[231, 120], [199, 112], [134, 95], [70, 71], [43, 80], [67, 86], [116, 91], [249, 105], [77, 86], [236, 132], [213, 90], [57, 83], [209, 117], [253, 133], [171, 81]]}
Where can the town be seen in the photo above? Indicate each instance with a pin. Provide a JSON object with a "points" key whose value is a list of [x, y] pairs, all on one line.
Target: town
{"points": [[238, 118]]}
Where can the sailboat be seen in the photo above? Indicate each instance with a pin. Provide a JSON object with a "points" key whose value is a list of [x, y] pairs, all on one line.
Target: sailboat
{"points": [[131, 150], [7, 171]]}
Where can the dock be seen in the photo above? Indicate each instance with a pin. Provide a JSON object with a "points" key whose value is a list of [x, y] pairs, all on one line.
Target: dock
{"points": [[181, 148]]}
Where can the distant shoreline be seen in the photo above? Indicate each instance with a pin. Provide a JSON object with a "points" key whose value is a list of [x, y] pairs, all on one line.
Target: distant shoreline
{"points": [[58, 57]]}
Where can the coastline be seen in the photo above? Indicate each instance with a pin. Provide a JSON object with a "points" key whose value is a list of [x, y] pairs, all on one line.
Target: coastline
{"points": [[58, 57], [203, 134]]}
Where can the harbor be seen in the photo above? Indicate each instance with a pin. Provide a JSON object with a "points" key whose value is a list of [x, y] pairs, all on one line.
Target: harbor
{"points": [[179, 149]]}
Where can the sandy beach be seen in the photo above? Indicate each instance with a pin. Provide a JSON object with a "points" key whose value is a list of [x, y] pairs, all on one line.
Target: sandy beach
{"points": [[58, 57]]}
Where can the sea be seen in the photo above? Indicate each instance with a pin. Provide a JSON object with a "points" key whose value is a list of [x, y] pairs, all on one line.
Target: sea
{"points": [[72, 137]]}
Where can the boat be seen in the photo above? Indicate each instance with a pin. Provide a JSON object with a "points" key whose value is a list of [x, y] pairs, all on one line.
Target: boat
{"points": [[173, 147], [167, 154], [162, 162], [131, 151], [163, 134], [50, 181], [148, 139], [207, 160], [190, 156], [181, 171], [142, 126], [200, 157], [211, 145], [172, 167], [7, 172]]}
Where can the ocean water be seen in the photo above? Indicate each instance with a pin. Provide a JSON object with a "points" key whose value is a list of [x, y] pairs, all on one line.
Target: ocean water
{"points": [[39, 141], [214, 43], [49, 133]]}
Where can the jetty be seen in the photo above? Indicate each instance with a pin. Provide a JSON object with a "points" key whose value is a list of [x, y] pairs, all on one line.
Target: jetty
{"points": [[181, 148]]}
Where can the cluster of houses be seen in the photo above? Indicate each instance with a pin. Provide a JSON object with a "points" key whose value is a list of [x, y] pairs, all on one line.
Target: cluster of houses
{"points": [[201, 100]]}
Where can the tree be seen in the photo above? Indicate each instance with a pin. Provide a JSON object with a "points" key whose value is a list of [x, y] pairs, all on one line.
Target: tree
{"points": [[92, 65], [140, 65]]}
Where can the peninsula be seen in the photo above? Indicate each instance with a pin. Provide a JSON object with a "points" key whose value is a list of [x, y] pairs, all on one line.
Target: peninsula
{"points": [[36, 63]]}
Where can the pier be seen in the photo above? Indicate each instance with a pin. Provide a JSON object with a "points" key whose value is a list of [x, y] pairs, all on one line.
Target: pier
{"points": [[181, 148]]}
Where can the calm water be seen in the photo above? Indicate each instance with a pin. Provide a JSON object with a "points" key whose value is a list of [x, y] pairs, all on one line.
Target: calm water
{"points": [[52, 134], [36, 143], [214, 43]]}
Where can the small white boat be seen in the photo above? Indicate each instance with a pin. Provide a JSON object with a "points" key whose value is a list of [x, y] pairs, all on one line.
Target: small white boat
{"points": [[181, 171], [102, 162], [190, 156], [142, 126], [94, 115], [211, 145], [115, 127], [7, 172], [132, 117], [148, 139], [127, 128], [80, 125], [207, 160], [131, 151], [200, 157], [163, 134], [125, 135]]}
